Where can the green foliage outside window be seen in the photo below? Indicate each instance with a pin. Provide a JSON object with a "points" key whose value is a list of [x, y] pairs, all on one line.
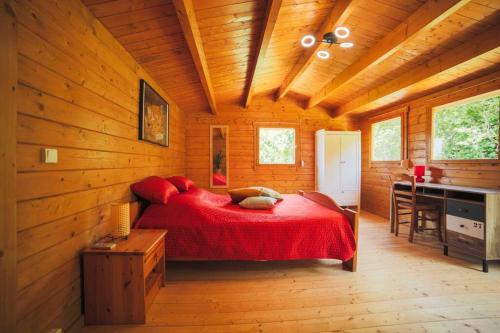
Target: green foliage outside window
{"points": [[466, 131], [276, 145], [386, 140]]}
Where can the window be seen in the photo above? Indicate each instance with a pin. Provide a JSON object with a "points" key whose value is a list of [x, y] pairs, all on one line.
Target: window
{"points": [[277, 145], [467, 129], [387, 140]]}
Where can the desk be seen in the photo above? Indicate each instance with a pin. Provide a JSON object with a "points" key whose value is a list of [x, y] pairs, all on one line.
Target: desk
{"points": [[471, 219]]}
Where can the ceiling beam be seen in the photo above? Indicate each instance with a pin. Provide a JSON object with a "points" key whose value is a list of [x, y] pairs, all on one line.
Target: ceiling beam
{"points": [[475, 47], [337, 17], [186, 14], [427, 16], [272, 12]]}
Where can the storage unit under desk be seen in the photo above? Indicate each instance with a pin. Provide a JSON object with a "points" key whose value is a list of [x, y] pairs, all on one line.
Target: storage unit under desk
{"points": [[471, 217]]}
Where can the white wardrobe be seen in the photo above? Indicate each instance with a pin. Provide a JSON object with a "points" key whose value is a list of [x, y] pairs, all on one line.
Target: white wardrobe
{"points": [[338, 165]]}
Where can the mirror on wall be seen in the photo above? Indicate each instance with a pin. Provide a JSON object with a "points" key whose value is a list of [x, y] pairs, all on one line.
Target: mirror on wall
{"points": [[219, 142]]}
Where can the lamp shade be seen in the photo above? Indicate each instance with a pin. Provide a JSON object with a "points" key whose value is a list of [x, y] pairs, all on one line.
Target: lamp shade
{"points": [[405, 164], [419, 172], [120, 219]]}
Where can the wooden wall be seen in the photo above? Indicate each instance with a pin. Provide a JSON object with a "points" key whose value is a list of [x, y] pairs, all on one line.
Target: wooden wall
{"points": [[78, 92], [241, 122], [375, 180], [8, 116]]}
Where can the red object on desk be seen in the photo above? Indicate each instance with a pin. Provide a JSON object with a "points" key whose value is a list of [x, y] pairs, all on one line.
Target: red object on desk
{"points": [[419, 172]]}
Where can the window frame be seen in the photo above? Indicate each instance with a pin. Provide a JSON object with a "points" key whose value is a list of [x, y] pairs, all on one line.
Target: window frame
{"points": [[400, 113], [430, 129], [295, 126]]}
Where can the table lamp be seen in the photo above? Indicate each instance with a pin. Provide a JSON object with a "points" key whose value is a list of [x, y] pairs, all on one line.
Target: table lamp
{"points": [[120, 219], [419, 172]]}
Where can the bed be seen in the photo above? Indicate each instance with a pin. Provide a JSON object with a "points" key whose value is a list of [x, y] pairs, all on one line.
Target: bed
{"points": [[206, 226]]}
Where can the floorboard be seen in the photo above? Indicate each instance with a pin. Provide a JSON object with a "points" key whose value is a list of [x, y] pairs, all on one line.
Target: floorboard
{"points": [[399, 287]]}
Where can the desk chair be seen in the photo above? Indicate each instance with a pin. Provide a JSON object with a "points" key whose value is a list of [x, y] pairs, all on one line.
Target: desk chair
{"points": [[405, 204]]}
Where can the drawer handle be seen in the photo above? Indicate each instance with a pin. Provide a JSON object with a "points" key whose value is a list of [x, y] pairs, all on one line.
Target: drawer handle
{"points": [[463, 210], [463, 241], [462, 226]]}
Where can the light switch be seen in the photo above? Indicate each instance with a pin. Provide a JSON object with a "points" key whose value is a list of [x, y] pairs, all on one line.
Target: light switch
{"points": [[49, 155]]}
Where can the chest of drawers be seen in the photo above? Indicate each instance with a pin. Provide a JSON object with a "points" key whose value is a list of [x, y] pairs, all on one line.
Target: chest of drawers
{"points": [[473, 226], [120, 284]]}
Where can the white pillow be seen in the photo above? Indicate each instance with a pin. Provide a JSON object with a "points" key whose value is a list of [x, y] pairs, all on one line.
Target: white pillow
{"points": [[258, 203]]}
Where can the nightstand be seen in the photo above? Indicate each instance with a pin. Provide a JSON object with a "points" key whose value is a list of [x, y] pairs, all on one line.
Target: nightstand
{"points": [[120, 284]]}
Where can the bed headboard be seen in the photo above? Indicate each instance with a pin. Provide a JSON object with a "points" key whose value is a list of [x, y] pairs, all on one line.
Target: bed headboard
{"points": [[136, 209]]}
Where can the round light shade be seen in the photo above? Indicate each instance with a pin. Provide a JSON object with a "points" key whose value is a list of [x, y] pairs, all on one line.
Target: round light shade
{"points": [[346, 45], [308, 40], [342, 32], [323, 54]]}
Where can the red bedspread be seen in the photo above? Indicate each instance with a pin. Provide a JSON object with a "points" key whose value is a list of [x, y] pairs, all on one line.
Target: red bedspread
{"points": [[205, 225]]}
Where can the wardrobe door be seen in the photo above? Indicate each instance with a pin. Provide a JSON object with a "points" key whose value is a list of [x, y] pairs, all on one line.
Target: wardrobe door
{"points": [[332, 182], [349, 173], [349, 170]]}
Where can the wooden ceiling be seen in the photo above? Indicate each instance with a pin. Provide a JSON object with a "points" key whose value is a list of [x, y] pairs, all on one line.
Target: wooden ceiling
{"points": [[207, 53]]}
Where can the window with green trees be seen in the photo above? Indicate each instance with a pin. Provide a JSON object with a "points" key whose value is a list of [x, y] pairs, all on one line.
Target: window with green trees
{"points": [[276, 145], [386, 140], [466, 130]]}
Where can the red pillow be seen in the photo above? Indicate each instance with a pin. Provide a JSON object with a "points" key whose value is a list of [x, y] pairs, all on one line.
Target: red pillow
{"points": [[182, 183], [154, 189]]}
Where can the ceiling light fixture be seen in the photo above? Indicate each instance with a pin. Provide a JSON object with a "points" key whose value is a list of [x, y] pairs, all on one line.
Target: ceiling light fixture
{"points": [[308, 41], [323, 54], [342, 32], [346, 45], [328, 38]]}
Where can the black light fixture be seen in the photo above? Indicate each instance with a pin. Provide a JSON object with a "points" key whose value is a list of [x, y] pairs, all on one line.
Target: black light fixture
{"points": [[331, 38]]}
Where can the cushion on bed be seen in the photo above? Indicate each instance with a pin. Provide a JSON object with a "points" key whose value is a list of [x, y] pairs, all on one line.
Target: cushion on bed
{"points": [[154, 189], [240, 194], [258, 203], [182, 183], [269, 192]]}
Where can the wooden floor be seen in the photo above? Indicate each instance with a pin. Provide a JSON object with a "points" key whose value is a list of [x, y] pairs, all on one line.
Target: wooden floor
{"points": [[399, 287]]}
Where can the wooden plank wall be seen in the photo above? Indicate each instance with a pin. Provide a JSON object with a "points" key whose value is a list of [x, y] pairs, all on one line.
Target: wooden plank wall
{"points": [[375, 181], [78, 92], [8, 237], [241, 122]]}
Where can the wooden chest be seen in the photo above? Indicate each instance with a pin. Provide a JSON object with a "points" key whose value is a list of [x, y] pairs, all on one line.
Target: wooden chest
{"points": [[120, 284]]}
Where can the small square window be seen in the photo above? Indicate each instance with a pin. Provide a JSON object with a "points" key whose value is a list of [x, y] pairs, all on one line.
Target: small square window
{"points": [[276, 145], [386, 140]]}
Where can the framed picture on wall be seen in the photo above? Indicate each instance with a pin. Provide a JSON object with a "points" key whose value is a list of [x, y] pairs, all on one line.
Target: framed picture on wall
{"points": [[153, 116]]}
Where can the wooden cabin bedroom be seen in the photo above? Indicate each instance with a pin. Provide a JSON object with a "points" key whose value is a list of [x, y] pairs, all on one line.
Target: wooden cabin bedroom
{"points": [[249, 166]]}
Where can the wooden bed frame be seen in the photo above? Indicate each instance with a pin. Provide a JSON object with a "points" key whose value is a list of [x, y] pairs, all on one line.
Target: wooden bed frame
{"points": [[352, 216], [136, 208]]}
